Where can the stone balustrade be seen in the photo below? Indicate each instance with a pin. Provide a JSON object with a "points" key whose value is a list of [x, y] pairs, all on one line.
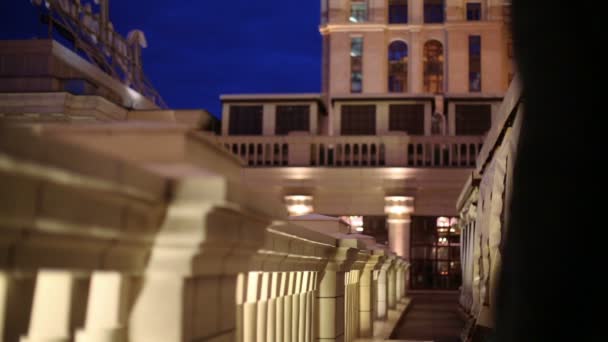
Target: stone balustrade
{"points": [[345, 151], [104, 241], [483, 205]]}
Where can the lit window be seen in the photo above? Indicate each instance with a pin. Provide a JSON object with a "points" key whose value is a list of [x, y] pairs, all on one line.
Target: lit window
{"points": [[474, 63], [358, 11], [473, 11], [433, 67], [397, 67], [397, 12], [356, 65], [443, 222]]}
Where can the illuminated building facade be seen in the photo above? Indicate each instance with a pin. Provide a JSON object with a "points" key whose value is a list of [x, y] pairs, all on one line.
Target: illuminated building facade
{"points": [[409, 90]]}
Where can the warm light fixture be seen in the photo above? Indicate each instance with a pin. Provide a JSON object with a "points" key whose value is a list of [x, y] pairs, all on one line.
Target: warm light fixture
{"points": [[355, 222], [398, 208], [443, 222], [298, 205], [399, 205]]}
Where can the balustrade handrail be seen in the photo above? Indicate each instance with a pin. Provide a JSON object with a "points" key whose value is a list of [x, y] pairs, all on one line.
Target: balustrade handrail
{"points": [[385, 150], [136, 245]]}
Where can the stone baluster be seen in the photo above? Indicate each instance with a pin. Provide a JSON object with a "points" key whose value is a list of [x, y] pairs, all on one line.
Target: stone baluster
{"points": [[107, 310], [58, 308]]}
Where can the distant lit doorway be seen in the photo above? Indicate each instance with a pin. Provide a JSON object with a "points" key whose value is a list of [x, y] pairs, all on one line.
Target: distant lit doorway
{"points": [[435, 253]]}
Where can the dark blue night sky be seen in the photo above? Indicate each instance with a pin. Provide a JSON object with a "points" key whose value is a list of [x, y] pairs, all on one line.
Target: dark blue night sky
{"points": [[199, 49]]}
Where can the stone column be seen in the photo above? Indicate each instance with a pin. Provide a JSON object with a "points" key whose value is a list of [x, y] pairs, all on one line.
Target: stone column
{"points": [[398, 209], [106, 309], [399, 280], [366, 296], [416, 11], [287, 306], [391, 297], [383, 289], [268, 119], [415, 64], [330, 298], [271, 315]]}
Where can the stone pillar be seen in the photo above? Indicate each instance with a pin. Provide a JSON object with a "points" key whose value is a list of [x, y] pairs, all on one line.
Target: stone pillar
{"points": [[383, 289], [330, 299], [106, 309], [366, 296], [268, 119], [382, 119], [391, 297], [399, 280], [287, 306], [415, 74], [59, 302], [314, 119], [398, 209], [272, 318], [416, 11], [263, 307], [250, 309], [225, 119]]}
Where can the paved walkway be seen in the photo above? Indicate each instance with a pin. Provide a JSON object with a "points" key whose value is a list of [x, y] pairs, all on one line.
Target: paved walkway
{"points": [[431, 317]]}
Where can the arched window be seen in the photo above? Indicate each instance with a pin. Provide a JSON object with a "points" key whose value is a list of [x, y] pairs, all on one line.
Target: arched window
{"points": [[397, 67], [433, 67]]}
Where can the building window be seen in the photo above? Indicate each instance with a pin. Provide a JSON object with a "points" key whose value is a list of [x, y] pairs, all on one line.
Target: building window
{"points": [[434, 254], [397, 12], [358, 120], [407, 118], [397, 67], [474, 63], [433, 11], [356, 65], [245, 120], [292, 118], [433, 67], [358, 11], [473, 119], [473, 11]]}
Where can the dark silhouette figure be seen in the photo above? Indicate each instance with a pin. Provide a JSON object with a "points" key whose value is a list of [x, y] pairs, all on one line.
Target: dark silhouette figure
{"points": [[551, 286]]}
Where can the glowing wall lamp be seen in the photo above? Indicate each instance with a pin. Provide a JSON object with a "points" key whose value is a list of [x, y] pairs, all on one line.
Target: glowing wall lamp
{"points": [[398, 208], [298, 205], [355, 222]]}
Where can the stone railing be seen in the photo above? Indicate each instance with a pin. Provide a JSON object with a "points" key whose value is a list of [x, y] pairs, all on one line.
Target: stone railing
{"points": [[359, 151], [483, 205], [103, 239]]}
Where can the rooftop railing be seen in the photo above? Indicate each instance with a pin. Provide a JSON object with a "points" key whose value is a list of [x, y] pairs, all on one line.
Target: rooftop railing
{"points": [[355, 151]]}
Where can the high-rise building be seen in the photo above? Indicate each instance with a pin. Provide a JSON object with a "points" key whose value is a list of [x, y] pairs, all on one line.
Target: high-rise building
{"points": [[409, 89]]}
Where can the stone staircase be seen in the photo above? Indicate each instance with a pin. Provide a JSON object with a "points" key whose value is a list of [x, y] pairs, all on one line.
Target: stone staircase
{"points": [[432, 316]]}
